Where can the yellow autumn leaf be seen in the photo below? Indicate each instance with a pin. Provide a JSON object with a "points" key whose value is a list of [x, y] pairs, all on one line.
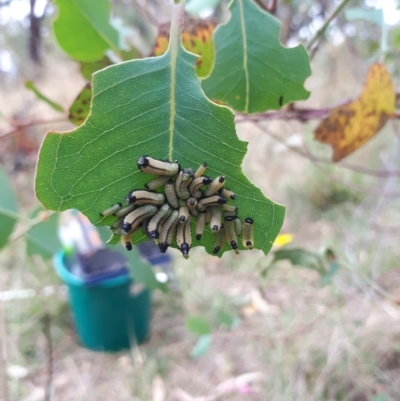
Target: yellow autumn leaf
{"points": [[283, 239], [351, 125], [196, 38]]}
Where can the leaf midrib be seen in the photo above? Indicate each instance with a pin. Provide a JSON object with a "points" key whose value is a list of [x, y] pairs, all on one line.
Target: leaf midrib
{"points": [[245, 62]]}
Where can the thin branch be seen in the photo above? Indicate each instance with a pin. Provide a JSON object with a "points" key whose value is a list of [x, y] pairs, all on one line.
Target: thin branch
{"points": [[324, 27], [358, 169], [18, 125], [31, 223]]}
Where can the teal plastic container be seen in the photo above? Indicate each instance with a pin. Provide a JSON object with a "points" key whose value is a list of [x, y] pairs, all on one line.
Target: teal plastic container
{"points": [[110, 316]]}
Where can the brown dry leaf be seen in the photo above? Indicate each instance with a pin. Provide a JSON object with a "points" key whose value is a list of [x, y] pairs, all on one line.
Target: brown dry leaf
{"points": [[351, 125]]}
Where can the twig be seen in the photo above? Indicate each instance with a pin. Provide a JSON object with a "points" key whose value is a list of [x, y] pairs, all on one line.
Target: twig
{"points": [[272, 6], [18, 125], [324, 27], [49, 379], [356, 168]]}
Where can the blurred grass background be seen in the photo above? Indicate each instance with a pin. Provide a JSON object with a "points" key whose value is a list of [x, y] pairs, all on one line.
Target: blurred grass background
{"points": [[337, 342]]}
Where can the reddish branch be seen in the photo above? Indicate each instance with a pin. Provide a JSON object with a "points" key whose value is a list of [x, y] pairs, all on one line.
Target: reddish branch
{"points": [[17, 125]]}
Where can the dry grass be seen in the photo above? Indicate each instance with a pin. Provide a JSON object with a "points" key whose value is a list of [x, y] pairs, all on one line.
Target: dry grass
{"points": [[340, 342]]}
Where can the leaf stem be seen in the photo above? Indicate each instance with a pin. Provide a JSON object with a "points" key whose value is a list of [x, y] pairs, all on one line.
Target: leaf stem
{"points": [[13, 215], [324, 27]]}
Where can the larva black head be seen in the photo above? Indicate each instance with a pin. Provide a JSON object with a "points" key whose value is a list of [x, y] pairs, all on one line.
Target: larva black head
{"points": [[215, 228], [163, 246], [233, 197], [192, 202], [170, 181], [126, 227], [153, 235], [187, 173], [130, 198], [216, 250], [198, 237], [128, 246], [221, 200], [249, 244], [182, 219], [185, 248], [249, 220], [221, 179], [207, 180], [142, 161], [204, 164], [229, 218], [234, 244]]}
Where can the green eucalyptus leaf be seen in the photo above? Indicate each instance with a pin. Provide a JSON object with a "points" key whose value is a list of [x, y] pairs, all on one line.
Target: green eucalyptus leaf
{"points": [[8, 205], [300, 257], [156, 107], [42, 239], [198, 325], [31, 86], [202, 346], [253, 72], [83, 30], [89, 68], [142, 271]]}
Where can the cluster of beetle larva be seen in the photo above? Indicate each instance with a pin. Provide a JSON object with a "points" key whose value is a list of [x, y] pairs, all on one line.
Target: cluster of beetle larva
{"points": [[161, 215]]}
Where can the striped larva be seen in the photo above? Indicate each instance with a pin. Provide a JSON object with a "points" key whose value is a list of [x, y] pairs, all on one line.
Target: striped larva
{"points": [[215, 186], [124, 211], [201, 170], [182, 182], [167, 231], [157, 167], [219, 240], [196, 184], [200, 225], [210, 201], [191, 204], [238, 225], [157, 182], [155, 222], [215, 223], [170, 193], [184, 237], [229, 208], [141, 197], [208, 215], [116, 224], [229, 214], [227, 193], [126, 241], [133, 219], [111, 210], [247, 233], [183, 213], [230, 233]]}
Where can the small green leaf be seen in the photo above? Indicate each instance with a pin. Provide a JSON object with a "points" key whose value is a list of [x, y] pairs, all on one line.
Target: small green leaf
{"points": [[202, 346], [83, 30], [253, 72], [228, 320], [142, 271], [8, 203], [31, 86], [198, 325], [89, 68], [42, 239], [80, 109]]}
